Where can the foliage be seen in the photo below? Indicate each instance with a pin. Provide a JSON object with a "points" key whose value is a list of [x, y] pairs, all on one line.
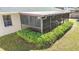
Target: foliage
{"points": [[29, 35], [46, 39]]}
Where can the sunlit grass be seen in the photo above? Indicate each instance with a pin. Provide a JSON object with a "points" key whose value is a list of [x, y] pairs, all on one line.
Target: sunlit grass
{"points": [[73, 20]]}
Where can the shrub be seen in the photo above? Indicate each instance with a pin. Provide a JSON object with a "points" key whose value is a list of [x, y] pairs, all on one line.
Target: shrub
{"points": [[43, 40], [29, 35]]}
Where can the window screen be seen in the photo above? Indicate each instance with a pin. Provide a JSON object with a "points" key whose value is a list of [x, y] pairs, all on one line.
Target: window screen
{"points": [[34, 21], [38, 23], [30, 20], [24, 19]]}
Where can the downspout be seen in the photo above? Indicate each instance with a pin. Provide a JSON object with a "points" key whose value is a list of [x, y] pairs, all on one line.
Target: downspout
{"points": [[41, 25], [50, 22], [20, 21]]}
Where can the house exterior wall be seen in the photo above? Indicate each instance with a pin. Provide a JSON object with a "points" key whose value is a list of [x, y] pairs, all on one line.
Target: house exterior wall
{"points": [[16, 25]]}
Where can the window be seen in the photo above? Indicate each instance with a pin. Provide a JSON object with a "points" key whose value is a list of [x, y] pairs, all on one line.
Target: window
{"points": [[7, 20], [38, 23], [30, 20], [24, 19], [33, 21]]}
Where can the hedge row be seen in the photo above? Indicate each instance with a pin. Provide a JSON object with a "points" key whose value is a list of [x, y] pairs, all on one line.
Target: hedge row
{"points": [[47, 38], [29, 35]]}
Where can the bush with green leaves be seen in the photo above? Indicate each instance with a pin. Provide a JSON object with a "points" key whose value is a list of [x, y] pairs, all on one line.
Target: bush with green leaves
{"points": [[29, 35], [43, 40]]}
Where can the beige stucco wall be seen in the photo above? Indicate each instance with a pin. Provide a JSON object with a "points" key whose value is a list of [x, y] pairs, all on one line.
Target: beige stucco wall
{"points": [[16, 25]]}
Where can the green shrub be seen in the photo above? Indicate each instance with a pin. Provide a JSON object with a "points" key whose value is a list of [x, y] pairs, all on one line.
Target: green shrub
{"points": [[43, 40], [29, 35]]}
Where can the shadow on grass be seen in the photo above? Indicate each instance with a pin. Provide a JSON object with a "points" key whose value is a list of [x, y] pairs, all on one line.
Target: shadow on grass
{"points": [[13, 42]]}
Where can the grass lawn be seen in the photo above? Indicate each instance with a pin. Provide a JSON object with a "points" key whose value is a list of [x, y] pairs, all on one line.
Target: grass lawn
{"points": [[12, 42], [69, 42]]}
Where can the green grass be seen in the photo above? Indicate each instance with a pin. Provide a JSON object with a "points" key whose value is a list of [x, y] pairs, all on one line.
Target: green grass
{"points": [[12, 42], [69, 42], [72, 20]]}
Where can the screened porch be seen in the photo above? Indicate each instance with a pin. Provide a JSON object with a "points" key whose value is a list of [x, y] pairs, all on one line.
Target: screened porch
{"points": [[42, 23]]}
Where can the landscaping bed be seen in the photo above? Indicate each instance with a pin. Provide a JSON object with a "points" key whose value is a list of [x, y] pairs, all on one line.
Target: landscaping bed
{"points": [[44, 40]]}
